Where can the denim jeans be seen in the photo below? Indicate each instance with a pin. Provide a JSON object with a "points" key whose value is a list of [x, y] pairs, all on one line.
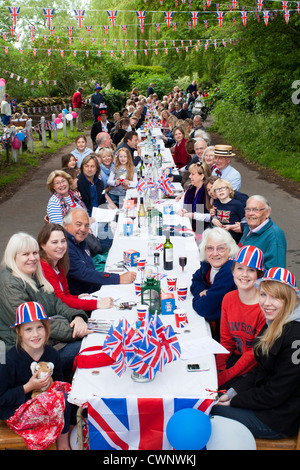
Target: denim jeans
{"points": [[249, 419]]}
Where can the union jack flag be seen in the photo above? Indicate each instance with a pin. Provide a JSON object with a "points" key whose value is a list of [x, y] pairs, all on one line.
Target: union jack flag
{"points": [[234, 4], [286, 15], [112, 14], [220, 17], [298, 7], [51, 29], [260, 4], [284, 5], [79, 16], [141, 17], [194, 17], [157, 26], [168, 17], [136, 423], [244, 17], [124, 28], [48, 12], [70, 29], [14, 13], [223, 216], [166, 185], [106, 28], [89, 29], [266, 15]]}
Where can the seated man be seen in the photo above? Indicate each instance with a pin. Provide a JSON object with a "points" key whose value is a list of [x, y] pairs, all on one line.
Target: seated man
{"points": [[223, 169], [262, 232], [103, 140], [82, 276], [130, 142]]}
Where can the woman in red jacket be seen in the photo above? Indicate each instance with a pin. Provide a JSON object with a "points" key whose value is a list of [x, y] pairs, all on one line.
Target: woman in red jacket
{"points": [[52, 241], [180, 156], [241, 317]]}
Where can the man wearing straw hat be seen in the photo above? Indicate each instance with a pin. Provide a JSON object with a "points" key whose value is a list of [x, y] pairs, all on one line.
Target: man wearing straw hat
{"points": [[223, 154]]}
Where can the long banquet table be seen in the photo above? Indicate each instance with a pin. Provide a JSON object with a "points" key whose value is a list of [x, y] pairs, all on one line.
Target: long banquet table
{"points": [[99, 385]]}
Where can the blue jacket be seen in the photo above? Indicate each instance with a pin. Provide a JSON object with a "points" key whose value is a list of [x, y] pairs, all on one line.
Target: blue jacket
{"points": [[272, 242], [82, 276], [209, 305]]}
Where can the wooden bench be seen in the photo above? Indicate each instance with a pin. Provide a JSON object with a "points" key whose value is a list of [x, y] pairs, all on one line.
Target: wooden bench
{"points": [[290, 443], [9, 440]]}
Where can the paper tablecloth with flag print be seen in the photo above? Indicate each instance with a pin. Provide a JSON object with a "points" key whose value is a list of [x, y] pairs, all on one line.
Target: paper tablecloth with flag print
{"points": [[134, 423]]}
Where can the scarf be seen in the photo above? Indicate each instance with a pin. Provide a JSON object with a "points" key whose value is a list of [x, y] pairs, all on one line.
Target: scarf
{"points": [[65, 207]]}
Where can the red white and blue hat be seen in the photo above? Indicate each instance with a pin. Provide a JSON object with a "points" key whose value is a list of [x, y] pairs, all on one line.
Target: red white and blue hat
{"points": [[250, 256], [97, 86], [28, 312], [280, 275]]}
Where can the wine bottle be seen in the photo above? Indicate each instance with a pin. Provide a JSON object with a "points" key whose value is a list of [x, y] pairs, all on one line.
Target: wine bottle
{"points": [[168, 252], [142, 169], [141, 213]]}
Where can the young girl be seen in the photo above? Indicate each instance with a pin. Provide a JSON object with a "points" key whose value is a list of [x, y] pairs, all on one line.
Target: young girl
{"points": [[81, 150], [228, 212], [122, 177], [241, 316], [68, 161], [267, 399], [17, 382]]}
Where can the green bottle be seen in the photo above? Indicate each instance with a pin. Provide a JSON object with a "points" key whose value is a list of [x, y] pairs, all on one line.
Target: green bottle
{"points": [[168, 252]]}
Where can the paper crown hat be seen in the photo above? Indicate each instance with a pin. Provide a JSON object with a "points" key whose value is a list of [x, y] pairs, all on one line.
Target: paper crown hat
{"points": [[28, 312], [250, 256], [280, 275]]}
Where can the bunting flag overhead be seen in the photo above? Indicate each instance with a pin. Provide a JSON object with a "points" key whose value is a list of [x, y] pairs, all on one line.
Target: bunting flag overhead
{"points": [[266, 15], [14, 13], [79, 16], [194, 17], [168, 17], [259, 4], [89, 29], [112, 14], [48, 12], [141, 17], [220, 16], [244, 15]]}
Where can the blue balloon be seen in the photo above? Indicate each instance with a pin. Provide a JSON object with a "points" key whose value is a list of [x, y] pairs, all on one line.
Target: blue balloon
{"points": [[20, 136], [65, 111], [188, 429]]}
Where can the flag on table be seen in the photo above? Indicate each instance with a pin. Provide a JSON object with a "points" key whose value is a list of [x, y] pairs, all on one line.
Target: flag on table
{"points": [[136, 423], [166, 185]]}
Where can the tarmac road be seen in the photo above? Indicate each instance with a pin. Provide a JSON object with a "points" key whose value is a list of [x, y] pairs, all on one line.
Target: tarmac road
{"points": [[25, 210]]}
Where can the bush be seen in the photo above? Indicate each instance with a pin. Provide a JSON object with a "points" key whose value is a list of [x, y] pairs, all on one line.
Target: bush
{"points": [[162, 83]]}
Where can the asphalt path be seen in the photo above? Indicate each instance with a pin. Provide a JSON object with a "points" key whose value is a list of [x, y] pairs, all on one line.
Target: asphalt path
{"points": [[25, 210]]}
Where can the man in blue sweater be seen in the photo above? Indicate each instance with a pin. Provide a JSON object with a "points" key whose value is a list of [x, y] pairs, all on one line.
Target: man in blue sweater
{"points": [[82, 276], [262, 232]]}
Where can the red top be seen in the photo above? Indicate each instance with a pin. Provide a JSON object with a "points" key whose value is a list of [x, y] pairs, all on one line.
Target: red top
{"points": [[240, 324], [77, 100], [61, 289], [180, 156]]}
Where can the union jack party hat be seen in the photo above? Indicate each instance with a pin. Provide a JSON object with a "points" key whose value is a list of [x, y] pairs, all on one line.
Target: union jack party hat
{"points": [[28, 312], [280, 275], [97, 86], [250, 256]]}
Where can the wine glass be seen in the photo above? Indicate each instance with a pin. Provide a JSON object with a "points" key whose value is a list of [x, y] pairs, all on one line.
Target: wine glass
{"points": [[182, 261]]}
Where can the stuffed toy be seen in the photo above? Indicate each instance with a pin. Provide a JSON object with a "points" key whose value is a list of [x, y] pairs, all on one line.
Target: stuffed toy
{"points": [[43, 368]]}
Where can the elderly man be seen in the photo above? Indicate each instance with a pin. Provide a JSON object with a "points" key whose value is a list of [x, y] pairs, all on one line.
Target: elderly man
{"points": [[197, 125], [130, 142], [199, 147], [82, 275], [103, 140], [262, 232], [224, 170]]}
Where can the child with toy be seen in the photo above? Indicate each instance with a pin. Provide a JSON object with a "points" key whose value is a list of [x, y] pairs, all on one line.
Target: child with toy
{"points": [[31, 384]]}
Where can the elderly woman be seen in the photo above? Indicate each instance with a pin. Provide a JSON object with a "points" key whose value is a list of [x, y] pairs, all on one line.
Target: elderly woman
{"points": [[63, 197], [22, 280], [214, 278]]}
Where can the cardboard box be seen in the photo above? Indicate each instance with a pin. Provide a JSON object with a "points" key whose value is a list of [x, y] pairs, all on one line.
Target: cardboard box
{"points": [[167, 303], [130, 257]]}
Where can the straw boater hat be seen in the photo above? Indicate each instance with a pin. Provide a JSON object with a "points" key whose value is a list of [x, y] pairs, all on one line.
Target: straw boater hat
{"points": [[224, 150]]}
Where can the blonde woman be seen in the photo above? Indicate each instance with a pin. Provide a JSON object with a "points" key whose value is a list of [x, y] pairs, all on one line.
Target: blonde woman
{"points": [[22, 280], [267, 399]]}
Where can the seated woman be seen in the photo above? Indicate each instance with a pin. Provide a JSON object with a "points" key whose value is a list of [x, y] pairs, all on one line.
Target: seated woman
{"points": [[208, 156], [91, 188], [122, 177], [267, 399], [180, 156], [214, 277], [106, 159], [194, 198], [241, 317], [54, 256], [82, 150], [63, 197], [22, 280], [120, 130]]}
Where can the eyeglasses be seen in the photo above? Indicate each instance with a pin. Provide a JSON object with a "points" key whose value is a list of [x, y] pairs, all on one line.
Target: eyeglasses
{"points": [[218, 249], [255, 209], [59, 182], [217, 190]]}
